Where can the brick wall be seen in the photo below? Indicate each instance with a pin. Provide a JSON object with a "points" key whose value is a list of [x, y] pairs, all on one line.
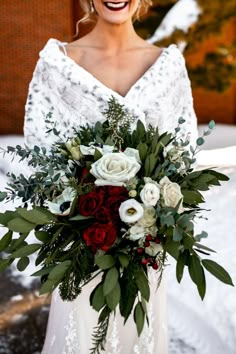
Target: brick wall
{"points": [[26, 25]]}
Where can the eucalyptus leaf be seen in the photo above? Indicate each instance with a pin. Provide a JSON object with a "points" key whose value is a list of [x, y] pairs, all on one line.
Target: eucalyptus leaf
{"points": [[3, 196]]}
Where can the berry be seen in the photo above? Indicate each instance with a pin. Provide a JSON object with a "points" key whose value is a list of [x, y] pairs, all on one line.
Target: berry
{"points": [[140, 250], [146, 244], [155, 266], [157, 240], [148, 238], [144, 262]]}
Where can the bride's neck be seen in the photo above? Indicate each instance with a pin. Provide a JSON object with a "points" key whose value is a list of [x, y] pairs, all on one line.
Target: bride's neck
{"points": [[115, 37]]}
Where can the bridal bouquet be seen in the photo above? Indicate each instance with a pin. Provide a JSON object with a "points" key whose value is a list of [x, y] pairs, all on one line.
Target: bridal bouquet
{"points": [[110, 201]]}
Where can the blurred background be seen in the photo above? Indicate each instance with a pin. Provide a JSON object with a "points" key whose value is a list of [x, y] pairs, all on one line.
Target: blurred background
{"points": [[205, 31]]}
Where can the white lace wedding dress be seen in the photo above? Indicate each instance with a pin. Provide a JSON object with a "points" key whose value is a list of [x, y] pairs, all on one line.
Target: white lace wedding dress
{"points": [[75, 97]]}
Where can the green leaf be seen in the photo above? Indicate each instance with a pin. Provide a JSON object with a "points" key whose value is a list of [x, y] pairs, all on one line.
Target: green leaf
{"points": [[199, 245], [123, 259], [5, 241], [203, 234], [59, 271], [43, 271], [192, 197], [200, 141], [141, 281], [211, 124], [129, 292], [110, 281], [48, 287], [7, 216], [172, 247], [105, 261], [36, 216], [180, 265], [3, 196], [113, 298], [139, 317], [20, 225], [26, 250], [19, 241], [97, 299], [23, 263], [43, 236], [97, 154], [4, 263], [142, 148], [140, 129], [218, 271], [177, 233], [197, 274]]}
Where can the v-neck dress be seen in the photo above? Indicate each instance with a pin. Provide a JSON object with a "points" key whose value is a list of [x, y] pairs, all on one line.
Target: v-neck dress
{"points": [[75, 97]]}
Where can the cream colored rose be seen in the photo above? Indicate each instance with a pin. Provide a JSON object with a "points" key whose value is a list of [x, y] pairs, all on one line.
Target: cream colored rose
{"points": [[150, 194], [171, 194], [114, 167], [130, 211], [153, 249], [149, 216], [136, 232]]}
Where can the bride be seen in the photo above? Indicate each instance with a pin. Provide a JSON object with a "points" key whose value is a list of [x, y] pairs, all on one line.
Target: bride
{"points": [[74, 81]]}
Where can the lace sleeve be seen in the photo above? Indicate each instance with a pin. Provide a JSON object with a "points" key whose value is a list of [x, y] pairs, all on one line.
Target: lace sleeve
{"points": [[40, 102]]}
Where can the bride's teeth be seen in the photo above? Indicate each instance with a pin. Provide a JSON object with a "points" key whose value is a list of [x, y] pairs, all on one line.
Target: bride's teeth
{"points": [[119, 4], [116, 5]]}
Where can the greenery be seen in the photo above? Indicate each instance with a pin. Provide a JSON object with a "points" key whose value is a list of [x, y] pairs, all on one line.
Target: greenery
{"points": [[53, 200]]}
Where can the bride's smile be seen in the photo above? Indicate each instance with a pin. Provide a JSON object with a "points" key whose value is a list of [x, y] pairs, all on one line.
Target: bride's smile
{"points": [[115, 12]]}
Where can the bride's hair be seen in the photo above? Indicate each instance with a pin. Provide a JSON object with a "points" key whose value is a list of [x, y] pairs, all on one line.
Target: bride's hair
{"points": [[90, 14]]}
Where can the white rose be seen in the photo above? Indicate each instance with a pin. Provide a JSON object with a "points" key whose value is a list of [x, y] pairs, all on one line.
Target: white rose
{"points": [[132, 153], [149, 217], [130, 211], [150, 194], [114, 167], [136, 232], [171, 193], [61, 205], [153, 249]]}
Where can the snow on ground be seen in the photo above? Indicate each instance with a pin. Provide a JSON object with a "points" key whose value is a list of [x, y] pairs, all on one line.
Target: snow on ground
{"points": [[181, 16], [195, 327]]}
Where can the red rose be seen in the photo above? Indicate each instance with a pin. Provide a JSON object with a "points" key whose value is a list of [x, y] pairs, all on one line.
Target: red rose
{"points": [[90, 203], [100, 236], [103, 215], [113, 204], [113, 190]]}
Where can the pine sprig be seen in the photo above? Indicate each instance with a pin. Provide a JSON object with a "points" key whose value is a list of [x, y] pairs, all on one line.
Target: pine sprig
{"points": [[100, 332]]}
